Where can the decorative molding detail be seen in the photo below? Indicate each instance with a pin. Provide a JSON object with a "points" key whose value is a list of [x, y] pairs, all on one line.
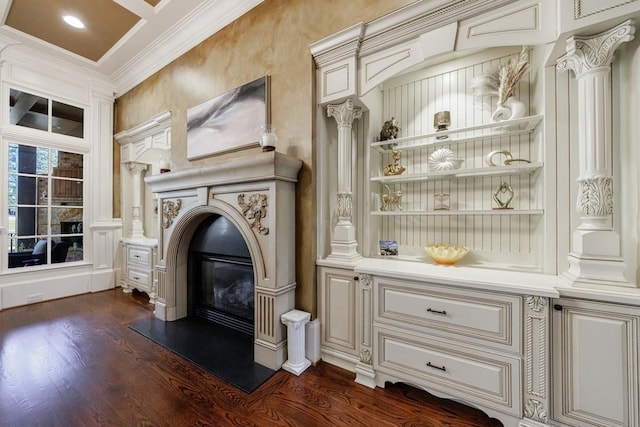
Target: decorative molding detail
{"points": [[365, 280], [534, 409], [595, 195], [536, 303], [344, 113], [170, 211], [580, 12], [525, 19], [541, 357], [365, 356], [588, 53], [254, 211], [345, 205]]}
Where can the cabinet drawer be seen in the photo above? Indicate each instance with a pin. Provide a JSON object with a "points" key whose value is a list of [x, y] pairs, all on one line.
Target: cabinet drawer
{"points": [[139, 255], [139, 279], [478, 376], [480, 317]]}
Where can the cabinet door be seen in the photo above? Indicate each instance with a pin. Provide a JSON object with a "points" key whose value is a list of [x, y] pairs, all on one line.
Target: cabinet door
{"points": [[595, 359], [337, 296]]}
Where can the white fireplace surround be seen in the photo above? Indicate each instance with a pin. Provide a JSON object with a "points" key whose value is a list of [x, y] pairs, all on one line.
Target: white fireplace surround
{"points": [[257, 194]]}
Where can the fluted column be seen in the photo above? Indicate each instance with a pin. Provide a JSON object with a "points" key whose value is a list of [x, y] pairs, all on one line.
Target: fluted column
{"points": [[343, 240], [595, 258], [295, 321], [136, 169]]}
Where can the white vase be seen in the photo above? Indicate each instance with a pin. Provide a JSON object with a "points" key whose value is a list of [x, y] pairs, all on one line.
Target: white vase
{"points": [[511, 109]]}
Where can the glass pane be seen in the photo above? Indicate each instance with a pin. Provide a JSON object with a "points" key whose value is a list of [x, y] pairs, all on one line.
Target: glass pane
{"points": [[42, 225], [66, 192], [13, 158], [26, 222], [28, 189], [67, 119], [30, 251], [42, 161], [76, 251], [13, 190], [66, 220], [28, 110], [42, 191], [67, 165]]}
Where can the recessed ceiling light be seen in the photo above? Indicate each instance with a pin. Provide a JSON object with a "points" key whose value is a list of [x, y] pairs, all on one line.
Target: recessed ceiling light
{"points": [[73, 21]]}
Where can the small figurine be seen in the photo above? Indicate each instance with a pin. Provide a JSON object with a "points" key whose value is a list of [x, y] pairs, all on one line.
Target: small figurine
{"points": [[395, 168], [390, 199], [503, 195], [389, 130]]}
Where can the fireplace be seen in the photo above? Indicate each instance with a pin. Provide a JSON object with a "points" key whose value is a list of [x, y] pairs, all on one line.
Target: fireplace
{"points": [[220, 278], [255, 196]]}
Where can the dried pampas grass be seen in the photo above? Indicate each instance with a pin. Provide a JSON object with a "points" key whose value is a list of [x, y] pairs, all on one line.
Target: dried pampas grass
{"points": [[501, 81]]}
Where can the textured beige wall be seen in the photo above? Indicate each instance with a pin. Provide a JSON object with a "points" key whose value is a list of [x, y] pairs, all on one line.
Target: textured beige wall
{"points": [[272, 39]]}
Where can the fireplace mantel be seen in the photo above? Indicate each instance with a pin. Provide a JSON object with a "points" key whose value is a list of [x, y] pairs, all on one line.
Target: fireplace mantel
{"points": [[257, 194], [270, 165]]}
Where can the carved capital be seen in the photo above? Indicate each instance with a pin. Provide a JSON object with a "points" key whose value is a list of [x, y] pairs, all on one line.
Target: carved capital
{"points": [[136, 168], [589, 53], [534, 409], [536, 303], [170, 211], [345, 205], [254, 210], [344, 113], [595, 195]]}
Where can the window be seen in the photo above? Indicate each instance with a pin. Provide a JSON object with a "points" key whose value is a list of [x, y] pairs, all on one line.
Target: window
{"points": [[37, 112], [46, 206]]}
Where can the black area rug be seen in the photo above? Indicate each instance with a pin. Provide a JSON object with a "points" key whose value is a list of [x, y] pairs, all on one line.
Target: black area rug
{"points": [[225, 353]]}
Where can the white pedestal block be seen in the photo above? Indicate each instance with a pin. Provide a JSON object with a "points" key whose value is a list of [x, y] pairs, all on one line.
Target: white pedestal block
{"points": [[295, 321]]}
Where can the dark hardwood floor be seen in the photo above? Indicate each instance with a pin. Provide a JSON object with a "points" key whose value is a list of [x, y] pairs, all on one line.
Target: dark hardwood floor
{"points": [[74, 362]]}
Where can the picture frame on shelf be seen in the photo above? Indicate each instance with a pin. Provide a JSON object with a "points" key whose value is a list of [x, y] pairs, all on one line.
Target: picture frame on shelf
{"points": [[231, 121], [388, 248]]}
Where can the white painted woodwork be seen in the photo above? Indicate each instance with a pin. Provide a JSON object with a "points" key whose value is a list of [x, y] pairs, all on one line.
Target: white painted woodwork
{"points": [[498, 299], [295, 321], [596, 363], [337, 293], [53, 78], [197, 193], [138, 265]]}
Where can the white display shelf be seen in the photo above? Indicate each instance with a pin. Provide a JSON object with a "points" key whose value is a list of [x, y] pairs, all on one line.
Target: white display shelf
{"points": [[519, 126], [457, 213], [518, 169]]}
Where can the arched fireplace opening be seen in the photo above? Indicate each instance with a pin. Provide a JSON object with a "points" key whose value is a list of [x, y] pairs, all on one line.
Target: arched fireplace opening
{"points": [[220, 276]]}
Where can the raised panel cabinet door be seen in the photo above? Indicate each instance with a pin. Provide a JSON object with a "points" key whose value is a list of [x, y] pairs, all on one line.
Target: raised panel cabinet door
{"points": [[338, 309], [595, 363]]}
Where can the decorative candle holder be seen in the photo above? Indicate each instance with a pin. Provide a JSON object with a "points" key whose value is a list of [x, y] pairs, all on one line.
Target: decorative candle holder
{"points": [[441, 201], [269, 138], [441, 122]]}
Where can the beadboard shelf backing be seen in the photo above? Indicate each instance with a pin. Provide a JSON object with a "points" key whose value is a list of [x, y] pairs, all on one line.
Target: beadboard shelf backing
{"points": [[503, 236]]}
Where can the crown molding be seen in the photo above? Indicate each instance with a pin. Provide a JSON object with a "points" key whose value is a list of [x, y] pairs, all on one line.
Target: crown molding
{"points": [[204, 21]]}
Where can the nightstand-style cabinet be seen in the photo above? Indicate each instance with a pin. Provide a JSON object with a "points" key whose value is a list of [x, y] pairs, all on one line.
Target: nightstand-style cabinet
{"points": [[138, 267], [595, 363]]}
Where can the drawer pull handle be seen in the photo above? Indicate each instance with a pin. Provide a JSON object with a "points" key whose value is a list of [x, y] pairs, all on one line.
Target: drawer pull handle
{"points": [[440, 368], [136, 278], [443, 312], [137, 256]]}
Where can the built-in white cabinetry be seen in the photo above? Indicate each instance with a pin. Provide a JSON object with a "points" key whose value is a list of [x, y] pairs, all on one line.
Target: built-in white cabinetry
{"points": [[481, 331], [138, 264], [596, 358]]}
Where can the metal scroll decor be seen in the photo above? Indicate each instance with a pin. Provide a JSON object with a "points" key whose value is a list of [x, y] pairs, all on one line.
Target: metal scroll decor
{"points": [[170, 210], [254, 210]]}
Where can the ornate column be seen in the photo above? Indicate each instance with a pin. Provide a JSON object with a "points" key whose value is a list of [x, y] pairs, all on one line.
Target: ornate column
{"points": [[343, 240], [295, 321], [595, 258], [136, 169]]}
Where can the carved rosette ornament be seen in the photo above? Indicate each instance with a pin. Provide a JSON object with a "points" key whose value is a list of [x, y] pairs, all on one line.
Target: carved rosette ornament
{"points": [[170, 211], [595, 195], [365, 279], [534, 409], [254, 210]]}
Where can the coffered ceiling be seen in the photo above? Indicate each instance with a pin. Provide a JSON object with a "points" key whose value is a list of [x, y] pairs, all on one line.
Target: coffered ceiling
{"points": [[127, 40]]}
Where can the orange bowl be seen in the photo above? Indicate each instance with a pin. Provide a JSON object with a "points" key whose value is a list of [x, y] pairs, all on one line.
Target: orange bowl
{"points": [[446, 254]]}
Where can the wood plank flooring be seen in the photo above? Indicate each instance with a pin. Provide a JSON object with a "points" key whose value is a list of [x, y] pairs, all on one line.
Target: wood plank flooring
{"points": [[74, 362]]}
